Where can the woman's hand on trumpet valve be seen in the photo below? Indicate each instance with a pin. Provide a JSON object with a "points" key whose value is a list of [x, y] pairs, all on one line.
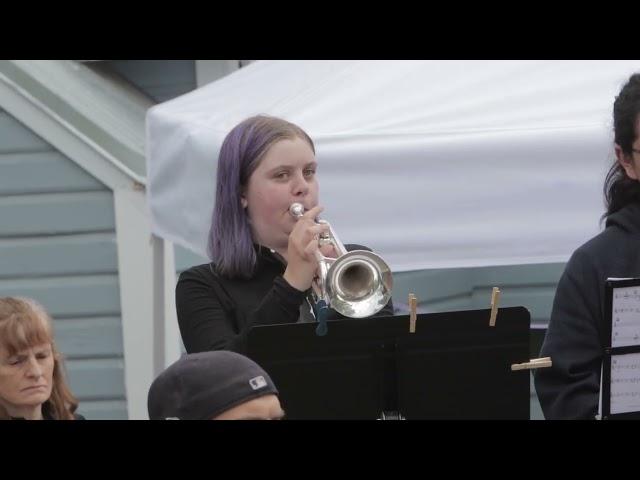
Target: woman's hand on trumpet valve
{"points": [[302, 263]]}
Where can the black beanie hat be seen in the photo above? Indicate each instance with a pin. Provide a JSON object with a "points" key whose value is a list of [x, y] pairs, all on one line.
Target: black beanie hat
{"points": [[203, 385]]}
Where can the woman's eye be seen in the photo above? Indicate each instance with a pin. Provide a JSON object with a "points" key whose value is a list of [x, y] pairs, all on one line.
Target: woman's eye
{"points": [[309, 172], [282, 175]]}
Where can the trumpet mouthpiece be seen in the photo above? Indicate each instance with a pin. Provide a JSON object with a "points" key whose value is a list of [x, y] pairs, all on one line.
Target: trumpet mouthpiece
{"points": [[296, 209]]}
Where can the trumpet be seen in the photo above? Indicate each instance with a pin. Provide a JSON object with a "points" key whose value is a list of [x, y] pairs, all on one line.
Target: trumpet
{"points": [[357, 284]]}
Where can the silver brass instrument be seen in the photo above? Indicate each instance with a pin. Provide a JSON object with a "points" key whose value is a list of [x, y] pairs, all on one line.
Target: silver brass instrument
{"points": [[357, 284]]}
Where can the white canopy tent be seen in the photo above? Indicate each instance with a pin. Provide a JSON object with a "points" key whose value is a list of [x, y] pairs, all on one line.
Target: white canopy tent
{"points": [[433, 164]]}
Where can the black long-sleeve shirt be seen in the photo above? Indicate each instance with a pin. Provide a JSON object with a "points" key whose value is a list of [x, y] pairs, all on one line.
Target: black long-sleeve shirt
{"points": [[216, 313], [576, 337]]}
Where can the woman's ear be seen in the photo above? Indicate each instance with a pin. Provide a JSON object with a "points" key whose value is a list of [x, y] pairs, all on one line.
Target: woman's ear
{"points": [[243, 196], [626, 161]]}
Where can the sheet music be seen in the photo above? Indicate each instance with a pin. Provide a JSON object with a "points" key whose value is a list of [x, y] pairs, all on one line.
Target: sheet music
{"points": [[625, 383], [625, 317]]}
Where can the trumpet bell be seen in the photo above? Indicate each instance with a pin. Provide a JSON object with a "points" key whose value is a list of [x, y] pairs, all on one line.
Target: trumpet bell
{"points": [[359, 284]]}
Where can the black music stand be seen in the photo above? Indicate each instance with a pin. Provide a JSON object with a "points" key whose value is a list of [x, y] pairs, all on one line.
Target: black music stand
{"points": [[455, 366]]}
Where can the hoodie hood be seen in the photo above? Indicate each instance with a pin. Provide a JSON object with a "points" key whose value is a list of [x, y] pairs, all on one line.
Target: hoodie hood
{"points": [[627, 218]]}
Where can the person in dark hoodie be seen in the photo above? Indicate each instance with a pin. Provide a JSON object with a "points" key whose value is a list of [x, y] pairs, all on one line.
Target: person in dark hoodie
{"points": [[575, 339]]}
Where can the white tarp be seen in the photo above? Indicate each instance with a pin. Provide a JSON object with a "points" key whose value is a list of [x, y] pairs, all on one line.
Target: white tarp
{"points": [[433, 164]]}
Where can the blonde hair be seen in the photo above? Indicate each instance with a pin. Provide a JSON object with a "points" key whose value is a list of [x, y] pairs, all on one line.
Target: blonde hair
{"points": [[24, 323]]}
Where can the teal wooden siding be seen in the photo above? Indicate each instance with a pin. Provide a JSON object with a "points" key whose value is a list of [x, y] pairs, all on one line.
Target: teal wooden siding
{"points": [[58, 246]]}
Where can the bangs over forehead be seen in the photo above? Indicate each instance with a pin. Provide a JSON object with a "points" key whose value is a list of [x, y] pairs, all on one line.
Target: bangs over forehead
{"points": [[23, 324]]}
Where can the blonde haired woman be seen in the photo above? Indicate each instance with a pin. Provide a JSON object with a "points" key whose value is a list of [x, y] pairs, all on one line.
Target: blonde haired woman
{"points": [[32, 381]]}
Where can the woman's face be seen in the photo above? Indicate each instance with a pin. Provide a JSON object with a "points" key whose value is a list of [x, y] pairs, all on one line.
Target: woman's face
{"points": [[26, 378], [286, 174], [633, 167], [631, 163]]}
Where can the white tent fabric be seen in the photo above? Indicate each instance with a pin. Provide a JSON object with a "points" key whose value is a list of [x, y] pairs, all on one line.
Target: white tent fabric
{"points": [[433, 164]]}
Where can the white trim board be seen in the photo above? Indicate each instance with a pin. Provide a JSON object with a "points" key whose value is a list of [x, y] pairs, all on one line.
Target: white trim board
{"points": [[147, 276], [135, 267], [64, 137]]}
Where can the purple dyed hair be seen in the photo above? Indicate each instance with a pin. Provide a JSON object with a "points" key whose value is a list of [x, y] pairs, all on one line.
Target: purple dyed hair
{"points": [[230, 242]]}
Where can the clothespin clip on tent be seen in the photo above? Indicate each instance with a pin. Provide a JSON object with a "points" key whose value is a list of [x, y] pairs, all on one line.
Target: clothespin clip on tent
{"points": [[495, 299], [413, 304]]}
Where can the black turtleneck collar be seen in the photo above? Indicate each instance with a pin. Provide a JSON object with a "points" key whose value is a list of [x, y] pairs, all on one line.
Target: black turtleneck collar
{"points": [[266, 254]]}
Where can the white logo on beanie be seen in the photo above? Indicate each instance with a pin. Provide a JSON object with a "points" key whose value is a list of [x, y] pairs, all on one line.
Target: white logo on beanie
{"points": [[258, 382]]}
